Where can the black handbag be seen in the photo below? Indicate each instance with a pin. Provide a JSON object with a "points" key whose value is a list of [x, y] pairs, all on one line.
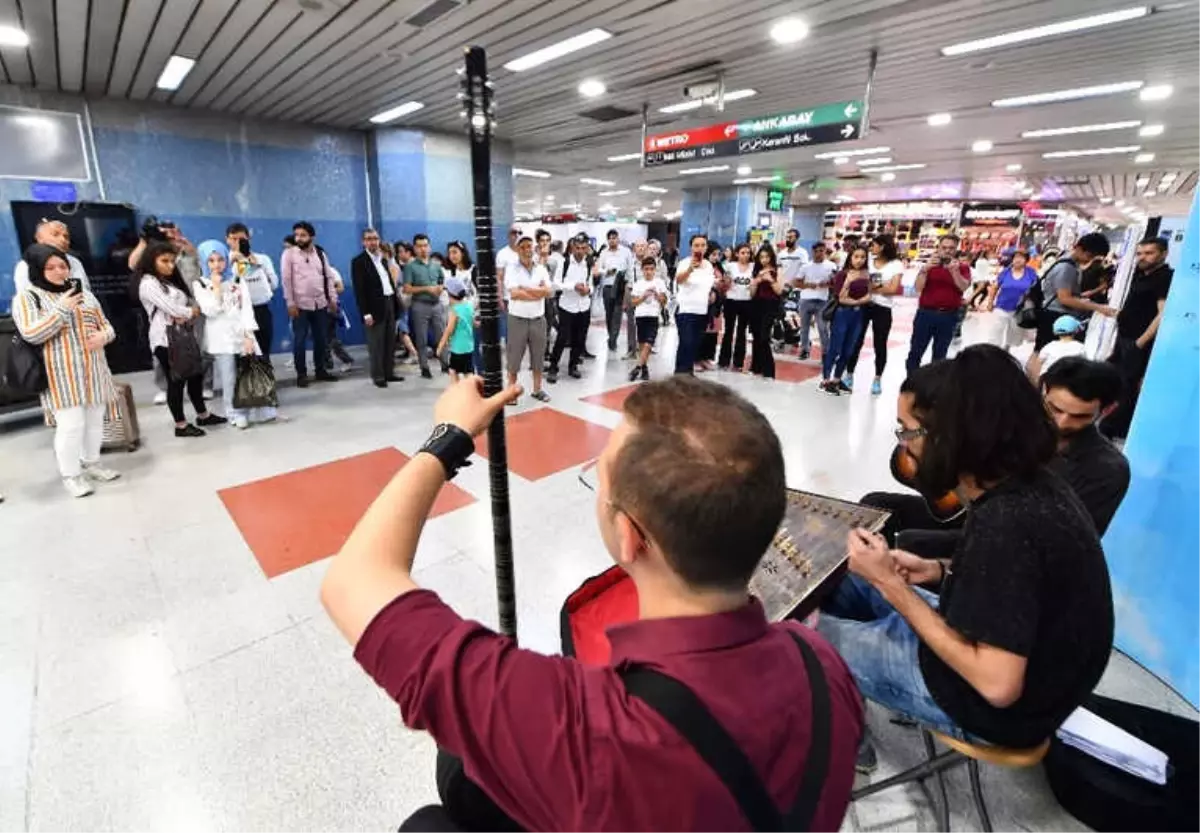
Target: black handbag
{"points": [[255, 385], [183, 352], [830, 309], [25, 364]]}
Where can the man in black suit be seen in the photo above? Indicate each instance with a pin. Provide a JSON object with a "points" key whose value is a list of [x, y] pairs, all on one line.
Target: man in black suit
{"points": [[375, 292]]}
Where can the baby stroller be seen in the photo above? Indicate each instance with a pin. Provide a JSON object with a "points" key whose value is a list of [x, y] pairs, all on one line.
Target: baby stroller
{"points": [[786, 331]]}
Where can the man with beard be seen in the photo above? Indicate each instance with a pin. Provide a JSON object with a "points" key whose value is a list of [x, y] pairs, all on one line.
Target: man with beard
{"points": [[1077, 393], [311, 298]]}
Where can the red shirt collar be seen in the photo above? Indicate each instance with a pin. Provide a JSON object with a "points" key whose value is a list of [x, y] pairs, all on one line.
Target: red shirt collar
{"points": [[654, 638]]}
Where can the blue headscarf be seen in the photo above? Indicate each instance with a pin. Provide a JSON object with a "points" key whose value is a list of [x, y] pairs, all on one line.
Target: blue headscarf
{"points": [[207, 248]]}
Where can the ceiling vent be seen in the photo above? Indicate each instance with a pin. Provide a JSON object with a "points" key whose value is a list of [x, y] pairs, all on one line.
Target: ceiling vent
{"points": [[608, 113], [435, 10]]}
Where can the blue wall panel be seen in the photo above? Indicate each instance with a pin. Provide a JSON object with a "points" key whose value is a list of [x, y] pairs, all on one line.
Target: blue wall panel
{"points": [[1154, 538]]}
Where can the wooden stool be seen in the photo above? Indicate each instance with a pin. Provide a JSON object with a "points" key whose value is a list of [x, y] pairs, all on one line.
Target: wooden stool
{"points": [[960, 751]]}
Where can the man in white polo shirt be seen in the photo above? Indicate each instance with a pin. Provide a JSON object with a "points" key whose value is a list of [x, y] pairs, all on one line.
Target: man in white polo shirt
{"points": [[614, 267], [792, 257], [694, 279], [528, 285], [574, 309], [813, 283]]}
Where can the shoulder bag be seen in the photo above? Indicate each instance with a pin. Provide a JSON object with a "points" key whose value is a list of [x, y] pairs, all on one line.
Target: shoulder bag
{"points": [[25, 364]]}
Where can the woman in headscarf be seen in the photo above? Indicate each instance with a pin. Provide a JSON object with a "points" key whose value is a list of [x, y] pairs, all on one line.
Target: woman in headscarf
{"points": [[66, 321], [224, 299]]}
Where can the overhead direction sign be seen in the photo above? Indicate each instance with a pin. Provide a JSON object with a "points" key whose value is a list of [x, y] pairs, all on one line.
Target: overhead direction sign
{"points": [[837, 122]]}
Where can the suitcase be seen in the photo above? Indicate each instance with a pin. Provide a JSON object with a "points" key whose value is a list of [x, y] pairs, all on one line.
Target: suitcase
{"points": [[121, 433]]}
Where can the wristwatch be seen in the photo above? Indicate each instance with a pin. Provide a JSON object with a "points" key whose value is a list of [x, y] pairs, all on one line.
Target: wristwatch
{"points": [[452, 446]]}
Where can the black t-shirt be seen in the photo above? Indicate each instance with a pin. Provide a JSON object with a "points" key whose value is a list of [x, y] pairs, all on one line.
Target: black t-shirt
{"points": [[1141, 305], [1098, 473], [1028, 577]]}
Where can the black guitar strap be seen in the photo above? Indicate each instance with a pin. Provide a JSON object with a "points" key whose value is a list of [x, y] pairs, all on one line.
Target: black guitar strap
{"points": [[680, 707]]}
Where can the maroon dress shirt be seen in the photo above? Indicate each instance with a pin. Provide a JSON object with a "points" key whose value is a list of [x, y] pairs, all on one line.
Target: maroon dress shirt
{"points": [[559, 746]]}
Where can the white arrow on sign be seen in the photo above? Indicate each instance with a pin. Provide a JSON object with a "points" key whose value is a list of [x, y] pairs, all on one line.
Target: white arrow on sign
{"points": [[850, 111], [847, 131]]}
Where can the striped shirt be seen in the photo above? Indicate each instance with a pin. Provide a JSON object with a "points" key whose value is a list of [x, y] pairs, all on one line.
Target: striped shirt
{"points": [[77, 377]]}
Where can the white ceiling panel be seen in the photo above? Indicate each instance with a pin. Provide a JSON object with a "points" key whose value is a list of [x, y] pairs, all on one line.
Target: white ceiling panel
{"points": [[104, 26], [136, 26], [72, 27], [15, 61], [168, 30], [37, 16]]}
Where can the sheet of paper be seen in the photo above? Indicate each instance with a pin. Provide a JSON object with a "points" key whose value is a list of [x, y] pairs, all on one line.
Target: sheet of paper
{"points": [[1110, 743]]}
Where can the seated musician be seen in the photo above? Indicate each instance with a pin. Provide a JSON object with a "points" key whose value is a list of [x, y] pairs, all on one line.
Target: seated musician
{"points": [[691, 491], [1078, 393], [1022, 626]]}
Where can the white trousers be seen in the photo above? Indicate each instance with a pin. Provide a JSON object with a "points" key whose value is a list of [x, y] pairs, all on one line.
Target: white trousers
{"points": [[77, 438]]}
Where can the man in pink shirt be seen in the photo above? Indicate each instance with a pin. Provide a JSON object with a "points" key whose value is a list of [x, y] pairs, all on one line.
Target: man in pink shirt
{"points": [[690, 493], [308, 288]]}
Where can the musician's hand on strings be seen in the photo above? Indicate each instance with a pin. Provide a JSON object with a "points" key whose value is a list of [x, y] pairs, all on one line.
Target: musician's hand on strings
{"points": [[870, 557], [463, 404], [917, 570]]}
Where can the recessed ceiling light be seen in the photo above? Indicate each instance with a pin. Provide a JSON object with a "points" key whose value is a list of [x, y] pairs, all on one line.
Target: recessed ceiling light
{"points": [[1156, 92], [1151, 130], [789, 30], [1013, 167], [1068, 154], [887, 177], [711, 169], [834, 154], [813, 196], [981, 145], [587, 180], [14, 38], [620, 193], [913, 167], [652, 189], [939, 119], [841, 160], [1105, 200], [743, 170], [557, 50], [1083, 128], [1142, 180], [548, 198], [624, 157], [747, 180], [1163, 185], [878, 160], [656, 203], [532, 173], [397, 112], [696, 103], [1120, 203], [592, 87], [1171, 177], [1070, 95], [173, 73], [1143, 158], [1062, 27], [1027, 191]]}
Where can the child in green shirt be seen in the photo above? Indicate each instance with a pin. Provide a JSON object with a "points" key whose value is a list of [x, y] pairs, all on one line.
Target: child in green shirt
{"points": [[459, 335]]}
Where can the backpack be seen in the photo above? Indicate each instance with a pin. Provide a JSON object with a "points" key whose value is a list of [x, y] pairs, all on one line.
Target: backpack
{"points": [[1030, 308]]}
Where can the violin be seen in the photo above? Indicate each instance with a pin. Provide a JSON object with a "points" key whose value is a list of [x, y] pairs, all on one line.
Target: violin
{"points": [[945, 508]]}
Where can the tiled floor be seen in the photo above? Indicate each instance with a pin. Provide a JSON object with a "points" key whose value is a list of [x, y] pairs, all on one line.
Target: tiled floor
{"points": [[164, 661]]}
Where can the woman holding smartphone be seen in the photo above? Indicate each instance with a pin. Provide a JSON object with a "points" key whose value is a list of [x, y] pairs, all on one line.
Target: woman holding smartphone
{"points": [[887, 273], [766, 290], [65, 320], [738, 277], [167, 301]]}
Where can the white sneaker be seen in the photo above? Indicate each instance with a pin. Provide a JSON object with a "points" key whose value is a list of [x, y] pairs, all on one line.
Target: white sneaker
{"points": [[208, 393], [77, 486], [241, 422], [160, 398], [99, 474]]}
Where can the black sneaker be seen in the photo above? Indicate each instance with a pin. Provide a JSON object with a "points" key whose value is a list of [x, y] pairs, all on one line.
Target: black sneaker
{"points": [[211, 419], [803, 355], [326, 377], [381, 383], [866, 761], [843, 387], [636, 373], [588, 355], [425, 374], [302, 381], [645, 373], [395, 378], [551, 377], [189, 430], [574, 373], [831, 388]]}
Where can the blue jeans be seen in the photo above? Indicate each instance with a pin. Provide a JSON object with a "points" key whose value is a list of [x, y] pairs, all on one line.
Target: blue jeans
{"points": [[315, 321], [691, 329], [847, 321], [880, 648], [931, 325], [810, 311]]}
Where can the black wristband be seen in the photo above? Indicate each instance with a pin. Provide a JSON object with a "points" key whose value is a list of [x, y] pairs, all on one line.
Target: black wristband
{"points": [[452, 446]]}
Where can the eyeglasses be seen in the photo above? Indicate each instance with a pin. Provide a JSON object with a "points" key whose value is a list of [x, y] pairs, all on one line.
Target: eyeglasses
{"points": [[587, 478], [907, 435]]}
